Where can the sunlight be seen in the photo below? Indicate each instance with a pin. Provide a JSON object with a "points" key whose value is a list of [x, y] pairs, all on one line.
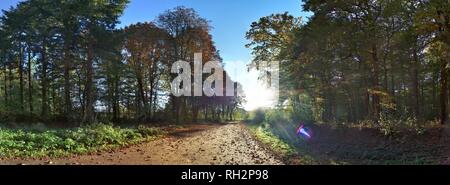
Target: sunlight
{"points": [[259, 98], [257, 94]]}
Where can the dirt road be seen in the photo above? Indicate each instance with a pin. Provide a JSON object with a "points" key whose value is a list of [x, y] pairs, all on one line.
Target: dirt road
{"points": [[196, 144]]}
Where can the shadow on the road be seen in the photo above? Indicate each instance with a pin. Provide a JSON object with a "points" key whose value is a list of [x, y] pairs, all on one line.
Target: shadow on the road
{"points": [[192, 129], [185, 133]]}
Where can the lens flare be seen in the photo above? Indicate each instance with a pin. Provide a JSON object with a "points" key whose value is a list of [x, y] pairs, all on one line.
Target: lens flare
{"points": [[304, 132]]}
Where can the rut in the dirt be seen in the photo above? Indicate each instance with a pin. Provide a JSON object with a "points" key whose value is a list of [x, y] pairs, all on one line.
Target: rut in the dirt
{"points": [[199, 144]]}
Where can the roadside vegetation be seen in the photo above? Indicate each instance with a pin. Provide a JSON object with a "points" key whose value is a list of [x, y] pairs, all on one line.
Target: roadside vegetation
{"points": [[39, 141], [263, 125], [269, 139], [390, 141]]}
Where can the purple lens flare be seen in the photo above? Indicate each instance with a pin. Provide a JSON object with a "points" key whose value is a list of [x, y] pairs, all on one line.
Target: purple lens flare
{"points": [[304, 132]]}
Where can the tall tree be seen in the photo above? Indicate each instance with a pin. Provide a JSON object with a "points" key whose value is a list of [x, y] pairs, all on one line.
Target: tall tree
{"points": [[144, 44], [178, 23], [98, 19]]}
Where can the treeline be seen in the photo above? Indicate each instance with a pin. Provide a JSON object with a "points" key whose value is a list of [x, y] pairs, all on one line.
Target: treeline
{"points": [[360, 60], [65, 61]]}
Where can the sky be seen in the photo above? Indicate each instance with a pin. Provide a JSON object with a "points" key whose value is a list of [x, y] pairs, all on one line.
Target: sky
{"points": [[230, 20]]}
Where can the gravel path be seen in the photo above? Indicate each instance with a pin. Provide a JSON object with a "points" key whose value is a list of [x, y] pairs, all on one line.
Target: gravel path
{"points": [[196, 144]]}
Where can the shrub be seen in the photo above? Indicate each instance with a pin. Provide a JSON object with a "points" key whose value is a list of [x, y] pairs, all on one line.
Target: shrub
{"points": [[391, 124], [387, 124]]}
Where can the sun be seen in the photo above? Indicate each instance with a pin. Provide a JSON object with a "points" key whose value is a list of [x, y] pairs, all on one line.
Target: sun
{"points": [[259, 98], [258, 95]]}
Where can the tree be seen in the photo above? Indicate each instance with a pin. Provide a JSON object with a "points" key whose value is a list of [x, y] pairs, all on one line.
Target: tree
{"points": [[433, 20], [144, 45], [181, 24], [98, 19]]}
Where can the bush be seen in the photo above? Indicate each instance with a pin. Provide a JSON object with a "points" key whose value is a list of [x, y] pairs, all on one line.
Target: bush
{"points": [[387, 126], [390, 124]]}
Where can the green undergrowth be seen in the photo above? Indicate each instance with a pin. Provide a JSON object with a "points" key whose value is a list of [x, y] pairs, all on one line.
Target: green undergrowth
{"points": [[41, 141], [286, 151], [269, 139]]}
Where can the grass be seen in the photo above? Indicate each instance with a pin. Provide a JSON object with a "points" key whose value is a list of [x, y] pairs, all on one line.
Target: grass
{"points": [[269, 139], [281, 148], [40, 142]]}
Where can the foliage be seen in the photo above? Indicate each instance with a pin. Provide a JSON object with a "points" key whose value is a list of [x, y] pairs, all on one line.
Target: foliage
{"points": [[391, 124], [277, 116], [269, 139], [258, 116], [283, 148], [39, 142], [65, 61], [352, 59]]}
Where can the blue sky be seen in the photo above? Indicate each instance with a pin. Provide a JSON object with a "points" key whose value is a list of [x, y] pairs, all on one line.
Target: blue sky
{"points": [[230, 20]]}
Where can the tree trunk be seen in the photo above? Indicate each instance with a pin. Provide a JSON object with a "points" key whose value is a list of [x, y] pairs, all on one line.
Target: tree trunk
{"points": [[443, 91], [30, 86], [89, 91], [152, 92], [415, 85], [206, 113], [194, 112], [150, 101], [175, 108], [155, 102], [67, 85], [434, 97], [44, 110], [54, 108], [20, 68], [116, 109], [142, 98], [80, 94], [6, 87], [10, 84], [375, 85]]}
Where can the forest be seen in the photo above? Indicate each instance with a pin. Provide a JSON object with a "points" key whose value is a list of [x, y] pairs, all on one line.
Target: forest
{"points": [[360, 82], [369, 79], [66, 62], [360, 60]]}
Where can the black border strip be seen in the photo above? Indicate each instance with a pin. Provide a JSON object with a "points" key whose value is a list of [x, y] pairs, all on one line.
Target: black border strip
{"points": [[171, 174]]}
